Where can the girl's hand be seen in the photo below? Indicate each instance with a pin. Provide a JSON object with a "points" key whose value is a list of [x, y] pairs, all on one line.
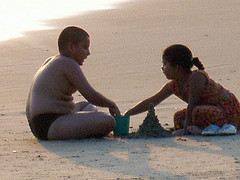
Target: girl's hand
{"points": [[126, 113]]}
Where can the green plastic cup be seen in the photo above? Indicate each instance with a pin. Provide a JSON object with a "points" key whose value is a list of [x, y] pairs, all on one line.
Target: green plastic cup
{"points": [[122, 125]]}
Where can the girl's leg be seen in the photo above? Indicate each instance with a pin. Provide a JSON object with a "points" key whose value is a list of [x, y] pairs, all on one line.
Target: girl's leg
{"points": [[202, 116], [178, 119], [81, 125]]}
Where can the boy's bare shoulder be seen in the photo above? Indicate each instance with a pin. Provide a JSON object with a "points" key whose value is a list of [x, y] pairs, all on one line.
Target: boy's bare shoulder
{"points": [[66, 65], [65, 61]]}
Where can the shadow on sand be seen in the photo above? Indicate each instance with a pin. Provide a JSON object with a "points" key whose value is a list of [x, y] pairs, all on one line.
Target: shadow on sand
{"points": [[151, 158]]}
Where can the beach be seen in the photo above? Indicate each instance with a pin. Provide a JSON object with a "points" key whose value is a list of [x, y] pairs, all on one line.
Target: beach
{"points": [[125, 65]]}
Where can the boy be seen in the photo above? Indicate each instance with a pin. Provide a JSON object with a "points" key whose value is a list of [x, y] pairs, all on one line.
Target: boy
{"points": [[51, 112]]}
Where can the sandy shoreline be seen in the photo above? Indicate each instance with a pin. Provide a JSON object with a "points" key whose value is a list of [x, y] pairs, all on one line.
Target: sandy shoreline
{"points": [[125, 61]]}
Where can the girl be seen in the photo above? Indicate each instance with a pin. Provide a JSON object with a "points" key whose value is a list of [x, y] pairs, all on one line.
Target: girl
{"points": [[51, 112], [208, 102]]}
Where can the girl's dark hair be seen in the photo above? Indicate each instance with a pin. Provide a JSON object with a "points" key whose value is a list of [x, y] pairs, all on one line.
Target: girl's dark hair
{"points": [[71, 34], [181, 55]]}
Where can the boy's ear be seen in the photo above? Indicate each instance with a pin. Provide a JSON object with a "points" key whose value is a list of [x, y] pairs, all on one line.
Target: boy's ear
{"points": [[70, 47]]}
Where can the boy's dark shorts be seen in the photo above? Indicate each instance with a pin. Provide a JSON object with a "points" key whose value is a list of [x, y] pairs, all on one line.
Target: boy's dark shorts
{"points": [[41, 123]]}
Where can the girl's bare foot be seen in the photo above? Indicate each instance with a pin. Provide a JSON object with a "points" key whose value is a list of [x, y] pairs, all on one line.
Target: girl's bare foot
{"points": [[180, 132], [194, 130]]}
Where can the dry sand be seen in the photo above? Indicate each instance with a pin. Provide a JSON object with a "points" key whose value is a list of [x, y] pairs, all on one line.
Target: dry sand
{"points": [[126, 50]]}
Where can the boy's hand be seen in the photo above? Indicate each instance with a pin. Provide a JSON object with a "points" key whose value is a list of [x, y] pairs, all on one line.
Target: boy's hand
{"points": [[114, 111]]}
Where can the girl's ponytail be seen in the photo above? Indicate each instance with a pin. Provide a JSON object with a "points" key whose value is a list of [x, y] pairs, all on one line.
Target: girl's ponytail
{"points": [[198, 63]]}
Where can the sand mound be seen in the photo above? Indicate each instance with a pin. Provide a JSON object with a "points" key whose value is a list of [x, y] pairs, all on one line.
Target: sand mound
{"points": [[150, 127]]}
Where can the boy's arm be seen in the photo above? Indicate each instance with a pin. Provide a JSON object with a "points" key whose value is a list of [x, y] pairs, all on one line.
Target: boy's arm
{"points": [[76, 76]]}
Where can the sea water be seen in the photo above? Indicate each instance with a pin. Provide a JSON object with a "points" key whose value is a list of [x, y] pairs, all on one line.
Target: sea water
{"points": [[19, 16]]}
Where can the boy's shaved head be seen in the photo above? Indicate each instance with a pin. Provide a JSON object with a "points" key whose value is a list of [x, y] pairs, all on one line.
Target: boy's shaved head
{"points": [[72, 34]]}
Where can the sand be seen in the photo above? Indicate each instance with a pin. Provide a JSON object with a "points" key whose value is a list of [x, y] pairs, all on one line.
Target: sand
{"points": [[125, 62]]}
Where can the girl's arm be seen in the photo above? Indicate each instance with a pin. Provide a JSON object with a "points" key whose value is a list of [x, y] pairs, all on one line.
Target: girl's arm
{"points": [[196, 89], [143, 106]]}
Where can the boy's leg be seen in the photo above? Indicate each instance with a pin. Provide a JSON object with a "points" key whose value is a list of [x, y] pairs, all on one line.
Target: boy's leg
{"points": [[81, 125], [84, 106]]}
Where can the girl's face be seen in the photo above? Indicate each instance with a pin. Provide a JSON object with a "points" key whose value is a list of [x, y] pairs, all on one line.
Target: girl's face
{"points": [[168, 70], [81, 51]]}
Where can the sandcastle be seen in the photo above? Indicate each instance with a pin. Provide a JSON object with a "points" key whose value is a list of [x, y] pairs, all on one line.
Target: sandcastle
{"points": [[150, 127]]}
